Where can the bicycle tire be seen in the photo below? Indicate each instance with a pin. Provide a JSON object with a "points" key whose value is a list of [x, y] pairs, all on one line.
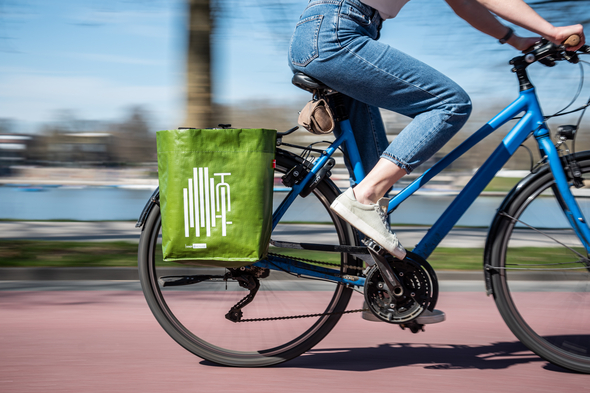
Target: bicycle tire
{"points": [[230, 344], [545, 273]]}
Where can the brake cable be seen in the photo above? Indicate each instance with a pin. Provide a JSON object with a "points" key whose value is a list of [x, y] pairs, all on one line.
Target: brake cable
{"points": [[561, 111], [580, 85]]}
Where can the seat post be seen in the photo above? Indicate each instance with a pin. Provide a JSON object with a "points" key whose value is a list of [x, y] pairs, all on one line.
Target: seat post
{"points": [[319, 90], [336, 102]]}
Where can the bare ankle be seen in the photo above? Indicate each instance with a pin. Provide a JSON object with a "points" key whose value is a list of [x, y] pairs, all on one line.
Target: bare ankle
{"points": [[362, 196]]}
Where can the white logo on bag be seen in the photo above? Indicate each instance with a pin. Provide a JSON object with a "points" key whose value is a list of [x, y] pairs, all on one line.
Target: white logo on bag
{"points": [[196, 245], [205, 202]]}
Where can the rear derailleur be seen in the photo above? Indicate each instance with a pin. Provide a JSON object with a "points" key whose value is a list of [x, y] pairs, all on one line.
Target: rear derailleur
{"points": [[247, 277]]}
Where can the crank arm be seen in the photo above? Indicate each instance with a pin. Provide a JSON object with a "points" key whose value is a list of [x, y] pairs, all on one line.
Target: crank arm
{"points": [[378, 253]]}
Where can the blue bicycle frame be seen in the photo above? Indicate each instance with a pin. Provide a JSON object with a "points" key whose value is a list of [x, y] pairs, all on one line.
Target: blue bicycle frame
{"points": [[532, 122]]}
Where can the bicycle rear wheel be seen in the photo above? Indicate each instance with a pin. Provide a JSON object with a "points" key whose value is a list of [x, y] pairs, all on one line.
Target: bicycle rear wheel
{"points": [[540, 271], [194, 315]]}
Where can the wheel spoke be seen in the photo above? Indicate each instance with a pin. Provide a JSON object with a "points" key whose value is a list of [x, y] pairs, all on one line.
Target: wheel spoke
{"points": [[195, 315], [541, 232], [541, 287]]}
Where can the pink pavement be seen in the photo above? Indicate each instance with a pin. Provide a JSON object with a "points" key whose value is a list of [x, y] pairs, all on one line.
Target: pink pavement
{"points": [[107, 341]]}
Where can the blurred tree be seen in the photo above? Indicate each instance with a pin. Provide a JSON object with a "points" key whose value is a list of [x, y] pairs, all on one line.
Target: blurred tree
{"points": [[199, 110], [6, 126], [133, 141]]}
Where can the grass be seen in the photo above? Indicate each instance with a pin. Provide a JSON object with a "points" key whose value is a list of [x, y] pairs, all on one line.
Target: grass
{"points": [[502, 184], [33, 253]]}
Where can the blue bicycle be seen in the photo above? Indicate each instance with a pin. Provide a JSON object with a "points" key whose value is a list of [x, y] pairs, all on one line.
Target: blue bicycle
{"points": [[280, 307]]}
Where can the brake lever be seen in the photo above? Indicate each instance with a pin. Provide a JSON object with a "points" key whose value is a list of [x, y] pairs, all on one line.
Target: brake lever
{"points": [[572, 57], [548, 61]]}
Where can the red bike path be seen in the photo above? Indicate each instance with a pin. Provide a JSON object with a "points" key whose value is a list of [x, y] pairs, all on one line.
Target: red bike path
{"points": [[99, 341]]}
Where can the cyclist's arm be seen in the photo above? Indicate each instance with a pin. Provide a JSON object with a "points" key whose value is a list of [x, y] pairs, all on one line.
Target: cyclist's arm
{"points": [[478, 13]]}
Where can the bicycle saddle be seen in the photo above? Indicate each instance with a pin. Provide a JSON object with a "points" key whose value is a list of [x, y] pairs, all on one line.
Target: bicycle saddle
{"points": [[308, 83]]}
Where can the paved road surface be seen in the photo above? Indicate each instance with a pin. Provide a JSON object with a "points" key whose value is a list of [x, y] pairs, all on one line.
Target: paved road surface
{"points": [[107, 340]]}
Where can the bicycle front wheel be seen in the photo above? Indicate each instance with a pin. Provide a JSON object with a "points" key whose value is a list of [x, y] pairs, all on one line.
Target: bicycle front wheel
{"points": [[194, 315], [540, 272]]}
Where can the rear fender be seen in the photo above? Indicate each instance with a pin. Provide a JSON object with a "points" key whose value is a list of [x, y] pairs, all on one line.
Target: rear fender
{"points": [[154, 200]]}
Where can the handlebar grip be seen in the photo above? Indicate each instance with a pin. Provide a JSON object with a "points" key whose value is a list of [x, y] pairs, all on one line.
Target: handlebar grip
{"points": [[572, 41]]}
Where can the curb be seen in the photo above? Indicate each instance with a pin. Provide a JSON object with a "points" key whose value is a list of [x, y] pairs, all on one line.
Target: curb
{"points": [[67, 273], [130, 273]]}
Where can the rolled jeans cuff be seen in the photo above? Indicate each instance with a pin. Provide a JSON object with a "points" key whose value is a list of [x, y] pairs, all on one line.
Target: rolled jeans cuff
{"points": [[405, 166]]}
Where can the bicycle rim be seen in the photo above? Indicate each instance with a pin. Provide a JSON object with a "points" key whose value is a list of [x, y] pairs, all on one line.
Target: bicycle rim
{"points": [[541, 281], [194, 315]]}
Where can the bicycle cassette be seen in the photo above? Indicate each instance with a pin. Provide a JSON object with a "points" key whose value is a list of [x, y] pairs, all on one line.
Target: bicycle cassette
{"points": [[420, 290]]}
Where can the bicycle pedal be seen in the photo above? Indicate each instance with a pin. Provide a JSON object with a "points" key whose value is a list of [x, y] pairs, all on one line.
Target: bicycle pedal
{"points": [[373, 246], [413, 326]]}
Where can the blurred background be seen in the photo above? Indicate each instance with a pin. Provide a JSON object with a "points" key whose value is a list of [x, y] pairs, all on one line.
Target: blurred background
{"points": [[85, 85]]}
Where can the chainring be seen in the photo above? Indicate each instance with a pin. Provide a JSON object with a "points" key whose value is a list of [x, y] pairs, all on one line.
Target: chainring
{"points": [[420, 290]]}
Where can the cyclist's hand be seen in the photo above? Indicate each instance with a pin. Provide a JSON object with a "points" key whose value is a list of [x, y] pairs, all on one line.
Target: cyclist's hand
{"points": [[564, 32], [523, 43]]}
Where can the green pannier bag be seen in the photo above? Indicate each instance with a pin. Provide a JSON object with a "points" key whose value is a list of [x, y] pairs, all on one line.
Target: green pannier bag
{"points": [[216, 195]]}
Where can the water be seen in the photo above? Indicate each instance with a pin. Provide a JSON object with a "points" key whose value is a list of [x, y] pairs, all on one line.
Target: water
{"points": [[126, 203], [425, 209], [72, 203]]}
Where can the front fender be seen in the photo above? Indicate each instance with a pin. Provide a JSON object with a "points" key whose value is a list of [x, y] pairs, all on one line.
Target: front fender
{"points": [[495, 226], [506, 205]]}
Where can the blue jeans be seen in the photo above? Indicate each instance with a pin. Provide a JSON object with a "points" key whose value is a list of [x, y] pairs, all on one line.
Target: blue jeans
{"points": [[335, 42]]}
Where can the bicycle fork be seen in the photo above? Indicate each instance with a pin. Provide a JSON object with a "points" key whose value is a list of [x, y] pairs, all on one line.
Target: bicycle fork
{"points": [[571, 209]]}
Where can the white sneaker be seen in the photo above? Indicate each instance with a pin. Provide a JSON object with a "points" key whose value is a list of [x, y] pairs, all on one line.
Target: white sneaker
{"points": [[370, 220], [429, 317]]}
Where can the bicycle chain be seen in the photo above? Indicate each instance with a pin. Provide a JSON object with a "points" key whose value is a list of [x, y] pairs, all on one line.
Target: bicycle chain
{"points": [[301, 316], [304, 315], [317, 262]]}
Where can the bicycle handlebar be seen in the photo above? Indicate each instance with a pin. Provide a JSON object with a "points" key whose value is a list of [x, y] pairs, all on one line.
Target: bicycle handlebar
{"points": [[571, 41], [547, 53]]}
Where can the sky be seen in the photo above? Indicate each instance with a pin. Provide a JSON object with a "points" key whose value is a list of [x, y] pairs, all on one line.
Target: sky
{"points": [[96, 59], [90, 57]]}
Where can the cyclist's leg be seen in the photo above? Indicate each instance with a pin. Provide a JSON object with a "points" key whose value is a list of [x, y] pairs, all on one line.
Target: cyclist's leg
{"points": [[337, 45], [369, 133], [382, 76], [343, 53]]}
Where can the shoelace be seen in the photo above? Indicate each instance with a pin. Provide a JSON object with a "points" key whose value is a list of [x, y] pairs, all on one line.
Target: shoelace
{"points": [[383, 217]]}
